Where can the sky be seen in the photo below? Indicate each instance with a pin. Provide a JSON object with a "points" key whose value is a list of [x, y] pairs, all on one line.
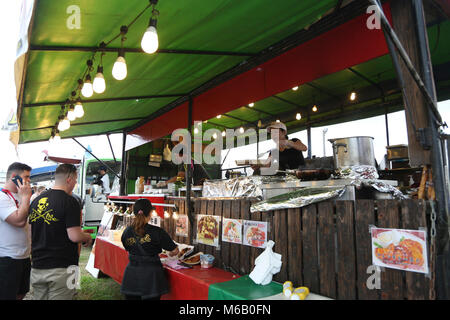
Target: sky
{"points": [[32, 153]]}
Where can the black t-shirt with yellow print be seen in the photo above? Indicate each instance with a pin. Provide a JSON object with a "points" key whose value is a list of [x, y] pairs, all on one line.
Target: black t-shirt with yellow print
{"points": [[154, 240], [51, 213]]}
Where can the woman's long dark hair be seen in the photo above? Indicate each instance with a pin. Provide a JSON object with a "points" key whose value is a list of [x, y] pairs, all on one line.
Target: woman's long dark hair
{"points": [[141, 210]]}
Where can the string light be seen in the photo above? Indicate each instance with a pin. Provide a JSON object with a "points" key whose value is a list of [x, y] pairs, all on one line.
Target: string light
{"points": [[87, 89], [166, 214], [79, 111], [56, 138], [71, 114], [149, 42], [223, 133], [353, 96], [215, 135], [119, 70], [154, 214], [298, 116], [241, 129], [175, 215], [195, 130], [278, 121], [295, 88], [99, 84], [251, 105], [314, 108], [219, 116]]}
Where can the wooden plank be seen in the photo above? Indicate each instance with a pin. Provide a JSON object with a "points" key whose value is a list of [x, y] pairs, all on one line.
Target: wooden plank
{"points": [[414, 217], [245, 250], [391, 280], [217, 254], [201, 209], [210, 211], [281, 243], [327, 249], [310, 250], [225, 248], [235, 248], [346, 280], [255, 252], [294, 232], [364, 217]]}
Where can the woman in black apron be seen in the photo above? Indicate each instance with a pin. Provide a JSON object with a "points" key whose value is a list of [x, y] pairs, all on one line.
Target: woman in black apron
{"points": [[144, 277]]}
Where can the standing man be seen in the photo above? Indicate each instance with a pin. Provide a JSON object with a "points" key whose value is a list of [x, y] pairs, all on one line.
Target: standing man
{"points": [[105, 181], [55, 225], [14, 242]]}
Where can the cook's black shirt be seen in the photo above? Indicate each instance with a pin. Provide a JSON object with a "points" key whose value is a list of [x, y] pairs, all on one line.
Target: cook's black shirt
{"points": [[290, 158], [51, 213], [154, 240]]}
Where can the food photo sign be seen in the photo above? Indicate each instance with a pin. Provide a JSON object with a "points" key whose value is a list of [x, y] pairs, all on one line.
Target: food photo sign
{"points": [[208, 229], [182, 226], [400, 249], [232, 230], [255, 233]]}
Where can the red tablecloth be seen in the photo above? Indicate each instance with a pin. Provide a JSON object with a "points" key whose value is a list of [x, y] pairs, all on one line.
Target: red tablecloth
{"points": [[185, 284]]}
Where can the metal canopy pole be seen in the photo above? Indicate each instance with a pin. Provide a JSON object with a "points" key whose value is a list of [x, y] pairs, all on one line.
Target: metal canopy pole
{"points": [[123, 165], [188, 169], [112, 150], [97, 158]]}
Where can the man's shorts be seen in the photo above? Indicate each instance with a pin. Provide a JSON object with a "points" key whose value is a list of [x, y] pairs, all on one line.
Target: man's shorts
{"points": [[14, 277]]}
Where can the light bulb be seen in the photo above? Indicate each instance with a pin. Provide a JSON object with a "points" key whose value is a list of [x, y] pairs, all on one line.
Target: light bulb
{"points": [[66, 123], [175, 215], [87, 89], [295, 88], [61, 126], [278, 120], [119, 70], [215, 135], [154, 214], [353, 96], [51, 139], [71, 115], [57, 138], [223, 133], [149, 42], [166, 214], [219, 116], [99, 84], [79, 111], [241, 129], [298, 116], [314, 108], [251, 104], [195, 130]]}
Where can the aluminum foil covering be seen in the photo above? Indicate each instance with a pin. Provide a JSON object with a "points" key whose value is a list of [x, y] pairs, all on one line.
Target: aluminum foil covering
{"points": [[357, 172], [379, 186], [242, 186], [298, 199]]}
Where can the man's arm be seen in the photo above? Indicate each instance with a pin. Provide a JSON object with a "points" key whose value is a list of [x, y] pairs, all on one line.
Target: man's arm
{"points": [[78, 236], [19, 217]]}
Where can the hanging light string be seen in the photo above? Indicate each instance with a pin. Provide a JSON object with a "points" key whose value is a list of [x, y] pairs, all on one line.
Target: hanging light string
{"points": [[77, 91]]}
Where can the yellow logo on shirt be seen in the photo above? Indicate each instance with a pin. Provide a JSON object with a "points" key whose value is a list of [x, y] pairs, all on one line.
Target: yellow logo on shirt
{"points": [[145, 239], [42, 213]]}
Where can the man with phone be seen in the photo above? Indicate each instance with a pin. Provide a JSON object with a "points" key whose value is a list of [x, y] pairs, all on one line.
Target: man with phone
{"points": [[14, 233], [56, 231]]}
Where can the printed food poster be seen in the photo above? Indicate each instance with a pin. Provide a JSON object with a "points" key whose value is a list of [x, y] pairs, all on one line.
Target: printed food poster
{"points": [[208, 229], [232, 230], [255, 233], [400, 249], [182, 226]]}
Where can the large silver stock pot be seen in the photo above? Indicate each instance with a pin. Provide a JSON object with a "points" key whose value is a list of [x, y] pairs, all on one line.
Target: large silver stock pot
{"points": [[353, 151]]}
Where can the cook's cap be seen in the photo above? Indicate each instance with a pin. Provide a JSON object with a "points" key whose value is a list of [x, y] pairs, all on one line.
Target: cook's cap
{"points": [[277, 125]]}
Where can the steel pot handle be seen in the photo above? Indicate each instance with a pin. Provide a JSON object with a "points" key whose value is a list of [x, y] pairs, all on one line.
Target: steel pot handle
{"points": [[337, 145]]}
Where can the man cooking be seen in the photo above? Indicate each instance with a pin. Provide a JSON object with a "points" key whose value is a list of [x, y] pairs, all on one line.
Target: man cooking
{"points": [[199, 174], [290, 151]]}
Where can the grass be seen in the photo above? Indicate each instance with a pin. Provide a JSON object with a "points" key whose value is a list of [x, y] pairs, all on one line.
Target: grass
{"points": [[103, 288]]}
